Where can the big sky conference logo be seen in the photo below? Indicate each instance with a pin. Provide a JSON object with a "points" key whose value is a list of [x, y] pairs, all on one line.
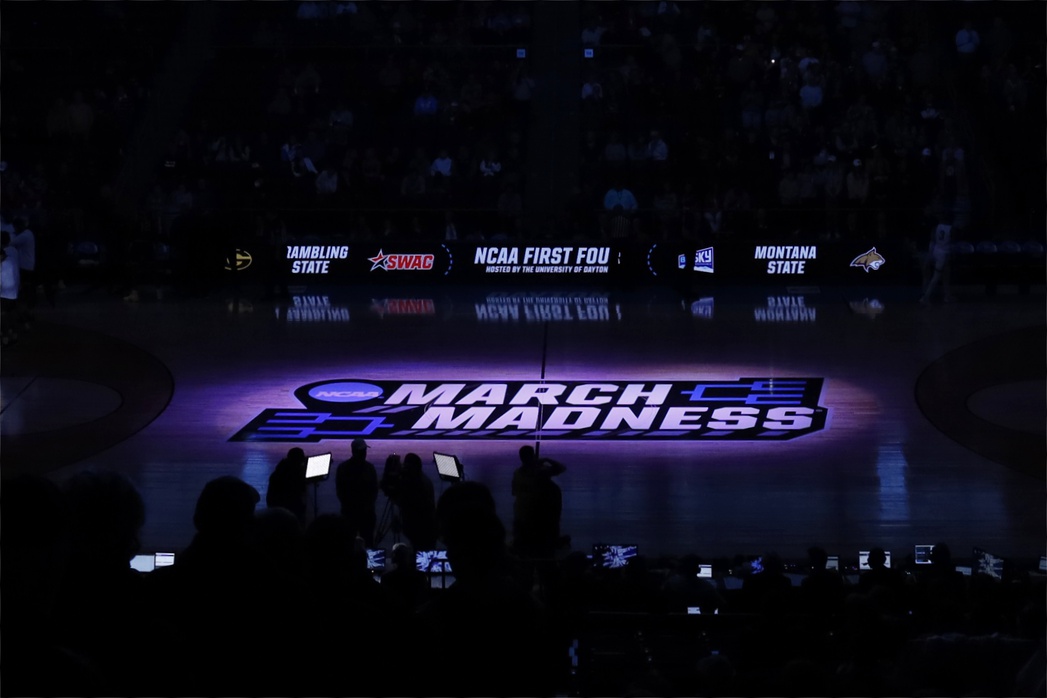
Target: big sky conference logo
{"points": [[756, 409]]}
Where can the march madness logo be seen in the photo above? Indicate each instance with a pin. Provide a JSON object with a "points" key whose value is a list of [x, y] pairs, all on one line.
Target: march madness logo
{"points": [[755, 409]]}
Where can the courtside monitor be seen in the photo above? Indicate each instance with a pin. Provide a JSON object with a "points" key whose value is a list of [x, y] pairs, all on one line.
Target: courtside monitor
{"points": [[613, 556], [318, 467], [375, 559], [448, 467], [432, 561], [987, 563]]}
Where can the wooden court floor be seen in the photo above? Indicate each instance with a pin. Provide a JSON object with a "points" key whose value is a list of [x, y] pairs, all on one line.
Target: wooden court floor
{"points": [[934, 417]]}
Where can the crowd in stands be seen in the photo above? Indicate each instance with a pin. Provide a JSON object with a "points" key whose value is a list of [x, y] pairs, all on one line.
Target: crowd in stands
{"points": [[266, 601], [820, 120], [72, 100], [378, 121], [368, 121]]}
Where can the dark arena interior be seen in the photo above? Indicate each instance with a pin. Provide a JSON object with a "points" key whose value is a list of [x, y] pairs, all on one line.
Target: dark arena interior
{"points": [[523, 348]]}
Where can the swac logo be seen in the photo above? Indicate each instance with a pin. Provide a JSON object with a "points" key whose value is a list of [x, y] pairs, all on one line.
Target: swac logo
{"points": [[869, 260], [243, 260], [401, 262], [345, 392]]}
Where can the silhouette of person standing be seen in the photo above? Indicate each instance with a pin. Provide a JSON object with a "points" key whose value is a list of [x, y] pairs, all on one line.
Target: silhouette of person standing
{"points": [[538, 504], [356, 483], [287, 485], [418, 504]]}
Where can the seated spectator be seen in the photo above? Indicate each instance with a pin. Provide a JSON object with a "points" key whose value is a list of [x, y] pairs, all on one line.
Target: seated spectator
{"points": [[441, 171], [857, 184], [340, 122], [485, 615], [752, 102], [471, 95], [212, 597], [307, 81], [313, 149], [890, 581], [450, 228], [767, 591], [522, 85], [36, 526], [618, 226], [638, 151], [967, 39], [405, 587], [490, 165], [426, 105], [371, 172], [510, 210], [593, 31], [327, 182], [102, 598], [592, 91], [618, 195], [822, 590], [712, 216], [667, 206], [414, 186], [811, 94], [656, 149], [683, 589], [81, 117], [614, 151], [875, 64]]}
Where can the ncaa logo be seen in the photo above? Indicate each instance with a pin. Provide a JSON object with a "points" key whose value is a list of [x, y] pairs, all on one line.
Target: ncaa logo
{"points": [[345, 392]]}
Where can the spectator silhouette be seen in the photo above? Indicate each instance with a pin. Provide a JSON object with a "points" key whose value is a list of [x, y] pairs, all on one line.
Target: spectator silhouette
{"points": [[102, 599], [281, 536], [538, 504], [405, 587], [417, 504], [356, 482], [218, 637], [941, 591], [822, 590], [880, 576], [345, 598], [287, 487], [767, 591], [35, 545], [490, 621], [683, 589]]}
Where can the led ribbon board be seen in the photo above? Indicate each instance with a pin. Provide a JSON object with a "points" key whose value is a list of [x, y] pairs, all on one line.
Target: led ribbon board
{"points": [[756, 409]]}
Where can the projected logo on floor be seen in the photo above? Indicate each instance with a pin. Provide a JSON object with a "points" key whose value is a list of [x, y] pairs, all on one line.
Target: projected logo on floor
{"points": [[755, 409]]}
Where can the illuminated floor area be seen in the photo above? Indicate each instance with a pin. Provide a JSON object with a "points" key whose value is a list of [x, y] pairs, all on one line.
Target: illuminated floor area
{"points": [[776, 420]]}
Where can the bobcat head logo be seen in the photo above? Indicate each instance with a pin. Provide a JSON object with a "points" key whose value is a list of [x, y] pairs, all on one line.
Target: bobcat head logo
{"points": [[869, 260]]}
